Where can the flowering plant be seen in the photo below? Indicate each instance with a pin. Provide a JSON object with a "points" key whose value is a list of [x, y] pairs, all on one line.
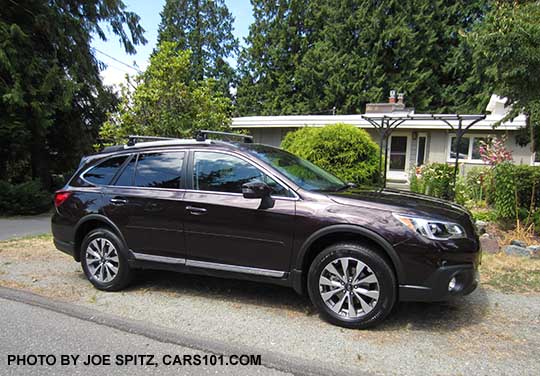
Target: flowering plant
{"points": [[494, 151]]}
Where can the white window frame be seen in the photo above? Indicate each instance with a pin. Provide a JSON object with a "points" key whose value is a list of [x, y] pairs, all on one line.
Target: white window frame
{"points": [[471, 138], [533, 157]]}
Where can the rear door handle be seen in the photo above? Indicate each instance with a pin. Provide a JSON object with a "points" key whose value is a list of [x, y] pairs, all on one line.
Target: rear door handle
{"points": [[118, 201], [195, 210]]}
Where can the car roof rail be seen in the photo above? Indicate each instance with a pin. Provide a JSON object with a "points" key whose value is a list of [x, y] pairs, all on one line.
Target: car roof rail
{"points": [[202, 135], [132, 139]]}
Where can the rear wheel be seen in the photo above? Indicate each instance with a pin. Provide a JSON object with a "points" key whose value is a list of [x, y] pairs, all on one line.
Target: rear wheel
{"points": [[351, 285], [103, 261]]}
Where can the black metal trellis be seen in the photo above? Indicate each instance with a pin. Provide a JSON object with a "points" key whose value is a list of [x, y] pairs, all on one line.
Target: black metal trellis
{"points": [[386, 124]]}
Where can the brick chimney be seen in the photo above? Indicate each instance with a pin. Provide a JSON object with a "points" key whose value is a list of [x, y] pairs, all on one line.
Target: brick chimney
{"points": [[392, 97], [395, 104]]}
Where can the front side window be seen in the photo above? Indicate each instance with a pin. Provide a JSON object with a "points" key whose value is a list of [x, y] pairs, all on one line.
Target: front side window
{"points": [[159, 170], [218, 172], [103, 173], [303, 173]]}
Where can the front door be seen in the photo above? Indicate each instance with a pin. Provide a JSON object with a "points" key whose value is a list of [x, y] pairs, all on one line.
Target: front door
{"points": [[226, 231], [398, 157]]}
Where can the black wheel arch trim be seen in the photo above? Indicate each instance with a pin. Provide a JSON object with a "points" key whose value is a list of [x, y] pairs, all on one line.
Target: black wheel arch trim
{"points": [[107, 222], [371, 235]]}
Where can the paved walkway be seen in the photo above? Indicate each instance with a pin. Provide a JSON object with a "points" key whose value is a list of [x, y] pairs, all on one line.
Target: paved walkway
{"points": [[16, 227]]}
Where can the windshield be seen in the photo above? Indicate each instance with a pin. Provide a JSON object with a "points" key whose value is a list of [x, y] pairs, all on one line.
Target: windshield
{"points": [[305, 174]]}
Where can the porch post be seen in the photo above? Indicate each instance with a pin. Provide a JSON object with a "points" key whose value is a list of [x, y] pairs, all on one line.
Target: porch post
{"points": [[459, 135]]}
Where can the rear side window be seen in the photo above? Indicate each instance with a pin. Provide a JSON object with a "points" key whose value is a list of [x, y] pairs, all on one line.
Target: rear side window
{"points": [[126, 177], [103, 173], [159, 170]]}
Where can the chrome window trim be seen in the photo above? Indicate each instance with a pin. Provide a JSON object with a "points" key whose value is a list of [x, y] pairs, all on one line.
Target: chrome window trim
{"points": [[81, 175], [258, 167]]}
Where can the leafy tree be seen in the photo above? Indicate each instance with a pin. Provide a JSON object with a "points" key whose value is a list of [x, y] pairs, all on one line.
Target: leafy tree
{"points": [[311, 58], [507, 57], [52, 100], [344, 150], [166, 101], [206, 28]]}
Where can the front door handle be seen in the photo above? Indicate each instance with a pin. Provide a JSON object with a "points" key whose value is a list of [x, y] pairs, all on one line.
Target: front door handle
{"points": [[195, 210], [118, 201]]}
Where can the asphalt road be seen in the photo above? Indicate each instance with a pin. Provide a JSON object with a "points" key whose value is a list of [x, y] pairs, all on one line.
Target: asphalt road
{"points": [[16, 227], [31, 330]]}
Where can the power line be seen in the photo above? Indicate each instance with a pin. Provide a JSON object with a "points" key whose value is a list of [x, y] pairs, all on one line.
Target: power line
{"points": [[119, 61]]}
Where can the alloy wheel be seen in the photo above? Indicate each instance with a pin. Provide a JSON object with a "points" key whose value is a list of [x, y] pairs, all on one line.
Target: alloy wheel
{"points": [[102, 260], [349, 287]]}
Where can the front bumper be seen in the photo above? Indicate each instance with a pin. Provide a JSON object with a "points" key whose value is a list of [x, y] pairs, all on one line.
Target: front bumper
{"points": [[436, 287]]}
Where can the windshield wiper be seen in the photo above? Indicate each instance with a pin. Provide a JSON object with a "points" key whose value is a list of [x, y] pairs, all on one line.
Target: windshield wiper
{"points": [[345, 186]]}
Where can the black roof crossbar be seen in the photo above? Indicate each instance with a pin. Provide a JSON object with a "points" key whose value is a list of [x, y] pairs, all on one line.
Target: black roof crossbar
{"points": [[132, 139], [202, 135]]}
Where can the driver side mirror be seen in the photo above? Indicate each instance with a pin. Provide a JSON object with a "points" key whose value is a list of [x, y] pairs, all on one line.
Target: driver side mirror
{"points": [[259, 190]]}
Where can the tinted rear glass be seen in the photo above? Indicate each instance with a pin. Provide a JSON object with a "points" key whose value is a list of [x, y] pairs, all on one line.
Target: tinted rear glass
{"points": [[103, 173], [159, 170], [126, 177]]}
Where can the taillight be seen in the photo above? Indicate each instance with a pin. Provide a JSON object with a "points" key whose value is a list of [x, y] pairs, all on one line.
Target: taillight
{"points": [[60, 197]]}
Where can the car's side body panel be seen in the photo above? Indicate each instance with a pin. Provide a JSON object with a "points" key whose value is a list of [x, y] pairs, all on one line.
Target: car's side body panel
{"points": [[225, 234]]}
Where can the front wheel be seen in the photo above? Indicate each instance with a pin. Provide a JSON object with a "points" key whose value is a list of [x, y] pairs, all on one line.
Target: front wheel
{"points": [[351, 285], [103, 262]]}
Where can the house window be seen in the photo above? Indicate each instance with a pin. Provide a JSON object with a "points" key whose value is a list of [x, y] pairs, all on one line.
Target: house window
{"points": [[421, 150], [469, 148]]}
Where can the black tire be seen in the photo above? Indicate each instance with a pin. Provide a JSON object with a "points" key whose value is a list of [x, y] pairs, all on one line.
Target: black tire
{"points": [[385, 286], [124, 274]]}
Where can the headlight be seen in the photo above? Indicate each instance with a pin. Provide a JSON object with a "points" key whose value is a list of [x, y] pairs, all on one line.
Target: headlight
{"points": [[432, 228]]}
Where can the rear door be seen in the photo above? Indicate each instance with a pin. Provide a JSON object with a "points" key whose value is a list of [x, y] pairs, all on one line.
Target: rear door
{"points": [[146, 202], [228, 232]]}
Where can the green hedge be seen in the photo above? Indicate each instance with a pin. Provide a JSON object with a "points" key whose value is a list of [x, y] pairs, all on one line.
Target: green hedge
{"points": [[344, 150], [23, 198]]}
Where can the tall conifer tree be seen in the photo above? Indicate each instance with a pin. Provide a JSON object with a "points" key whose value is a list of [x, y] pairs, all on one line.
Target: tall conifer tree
{"points": [[345, 53], [206, 28]]}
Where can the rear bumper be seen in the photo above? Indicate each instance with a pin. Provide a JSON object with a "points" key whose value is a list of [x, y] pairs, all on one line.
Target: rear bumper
{"points": [[437, 288], [65, 247]]}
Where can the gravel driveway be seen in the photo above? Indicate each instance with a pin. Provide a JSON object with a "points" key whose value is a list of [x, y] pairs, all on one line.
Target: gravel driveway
{"points": [[486, 333]]}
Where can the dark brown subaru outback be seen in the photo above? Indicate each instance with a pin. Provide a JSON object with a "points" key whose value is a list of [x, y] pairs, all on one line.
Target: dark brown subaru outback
{"points": [[251, 211]]}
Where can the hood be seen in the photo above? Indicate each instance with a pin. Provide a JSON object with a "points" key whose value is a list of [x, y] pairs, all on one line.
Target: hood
{"points": [[401, 202]]}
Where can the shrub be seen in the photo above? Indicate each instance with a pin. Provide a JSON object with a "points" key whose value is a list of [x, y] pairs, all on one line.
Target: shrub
{"points": [[478, 184], [344, 150], [435, 179], [505, 191], [485, 215], [24, 198], [528, 187]]}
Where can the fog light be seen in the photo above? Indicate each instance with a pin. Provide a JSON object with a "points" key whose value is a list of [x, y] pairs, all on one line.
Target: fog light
{"points": [[452, 284]]}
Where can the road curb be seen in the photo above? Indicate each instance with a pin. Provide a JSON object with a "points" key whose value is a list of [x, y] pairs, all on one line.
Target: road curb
{"points": [[272, 360]]}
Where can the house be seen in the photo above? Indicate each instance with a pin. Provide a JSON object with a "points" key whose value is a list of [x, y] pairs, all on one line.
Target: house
{"points": [[413, 143]]}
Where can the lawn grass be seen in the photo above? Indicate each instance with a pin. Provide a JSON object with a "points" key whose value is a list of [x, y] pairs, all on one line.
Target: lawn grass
{"points": [[510, 273]]}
